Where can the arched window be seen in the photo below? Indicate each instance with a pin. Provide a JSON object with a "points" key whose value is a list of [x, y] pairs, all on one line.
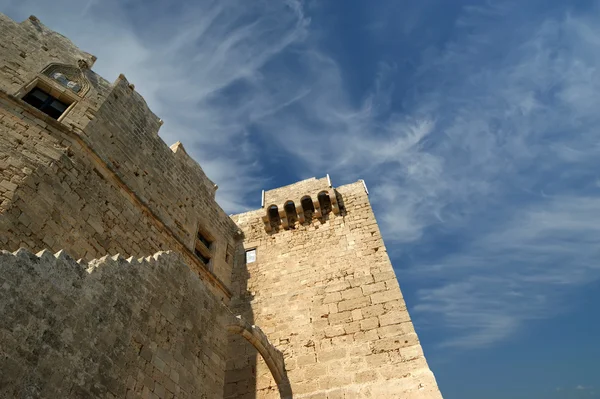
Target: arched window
{"points": [[290, 213], [274, 216], [324, 202], [308, 207]]}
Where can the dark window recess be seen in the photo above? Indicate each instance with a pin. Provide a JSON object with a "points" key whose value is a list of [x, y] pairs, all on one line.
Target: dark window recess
{"points": [[203, 258], [290, 213], [43, 101], [308, 207], [274, 218], [204, 240], [203, 247]]}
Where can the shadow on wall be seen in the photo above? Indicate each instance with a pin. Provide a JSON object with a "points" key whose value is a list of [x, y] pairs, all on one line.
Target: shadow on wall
{"points": [[246, 375]]}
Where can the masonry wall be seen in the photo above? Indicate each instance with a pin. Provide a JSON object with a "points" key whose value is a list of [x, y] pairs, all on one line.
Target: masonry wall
{"points": [[326, 295], [110, 328], [100, 180]]}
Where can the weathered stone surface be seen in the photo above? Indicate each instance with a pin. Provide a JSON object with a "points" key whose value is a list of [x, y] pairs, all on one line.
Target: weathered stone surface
{"points": [[109, 326]]}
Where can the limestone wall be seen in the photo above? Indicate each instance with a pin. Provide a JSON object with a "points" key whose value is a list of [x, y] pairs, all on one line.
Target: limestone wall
{"points": [[56, 194], [108, 328], [100, 179], [326, 295]]}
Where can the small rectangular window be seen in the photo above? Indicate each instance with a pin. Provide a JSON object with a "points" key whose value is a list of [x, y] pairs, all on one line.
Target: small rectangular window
{"points": [[203, 246], [251, 256], [46, 103]]}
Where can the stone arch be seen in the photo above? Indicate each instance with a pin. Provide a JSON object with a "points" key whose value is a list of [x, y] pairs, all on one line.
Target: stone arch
{"points": [[272, 357], [68, 76]]}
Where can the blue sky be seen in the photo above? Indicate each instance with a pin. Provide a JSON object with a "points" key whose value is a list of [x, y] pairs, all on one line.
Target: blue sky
{"points": [[475, 125]]}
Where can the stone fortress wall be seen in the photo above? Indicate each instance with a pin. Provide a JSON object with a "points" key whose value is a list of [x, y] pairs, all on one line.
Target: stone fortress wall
{"points": [[99, 181]]}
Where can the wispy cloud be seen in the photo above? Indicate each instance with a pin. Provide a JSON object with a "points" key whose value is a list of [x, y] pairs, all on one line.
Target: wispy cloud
{"points": [[518, 271], [525, 159]]}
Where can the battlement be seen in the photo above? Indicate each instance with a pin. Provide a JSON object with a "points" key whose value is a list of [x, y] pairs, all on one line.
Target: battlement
{"points": [[299, 202], [60, 268]]}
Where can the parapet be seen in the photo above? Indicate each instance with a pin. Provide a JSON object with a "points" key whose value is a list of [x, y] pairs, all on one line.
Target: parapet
{"points": [[311, 186], [299, 202], [49, 262]]}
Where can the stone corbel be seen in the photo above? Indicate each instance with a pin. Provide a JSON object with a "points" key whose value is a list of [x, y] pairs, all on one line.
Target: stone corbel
{"points": [[284, 220], [318, 212], [300, 213], [267, 223], [334, 204]]}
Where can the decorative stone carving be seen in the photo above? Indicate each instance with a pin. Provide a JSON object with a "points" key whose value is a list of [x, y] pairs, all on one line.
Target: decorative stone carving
{"points": [[68, 76]]}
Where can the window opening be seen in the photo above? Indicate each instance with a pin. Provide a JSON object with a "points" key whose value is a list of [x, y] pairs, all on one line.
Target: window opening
{"points": [[203, 247], [204, 240], [251, 256], [46, 103], [204, 259]]}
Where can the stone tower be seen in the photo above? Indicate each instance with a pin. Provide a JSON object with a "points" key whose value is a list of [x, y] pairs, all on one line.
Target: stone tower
{"points": [[171, 297], [319, 282]]}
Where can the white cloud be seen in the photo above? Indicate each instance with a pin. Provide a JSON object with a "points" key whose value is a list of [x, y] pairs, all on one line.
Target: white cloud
{"points": [[525, 136], [517, 272]]}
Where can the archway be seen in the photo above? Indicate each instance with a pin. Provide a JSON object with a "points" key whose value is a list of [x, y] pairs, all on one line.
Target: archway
{"points": [[272, 357]]}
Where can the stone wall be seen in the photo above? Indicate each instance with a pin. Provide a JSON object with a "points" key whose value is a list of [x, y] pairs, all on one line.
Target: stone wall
{"points": [[326, 295], [56, 194], [108, 328], [100, 179]]}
